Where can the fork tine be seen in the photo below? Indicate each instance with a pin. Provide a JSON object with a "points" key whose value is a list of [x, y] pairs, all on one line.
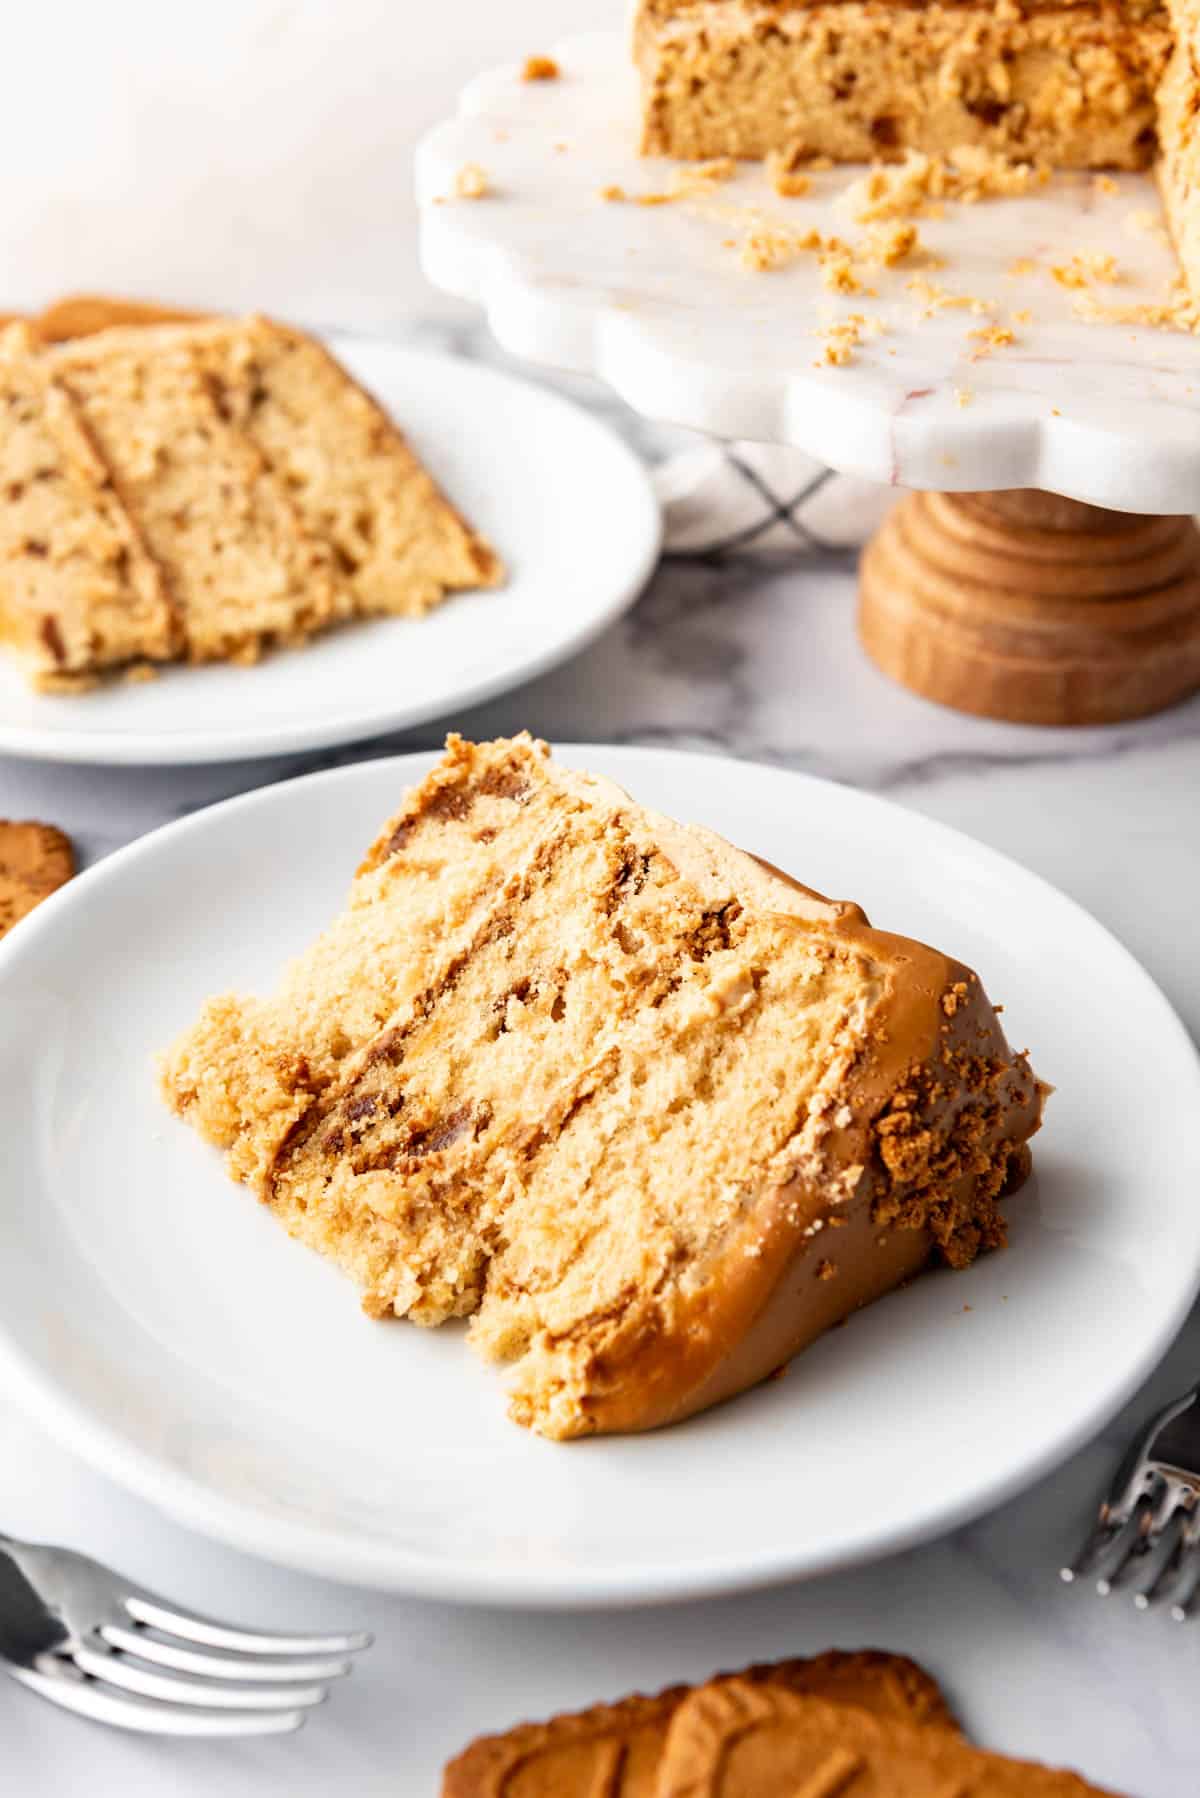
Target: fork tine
{"points": [[1163, 1561], [1103, 1534], [87, 1699], [208, 1633], [218, 1666], [111, 1669], [1183, 1598], [1126, 1548]]}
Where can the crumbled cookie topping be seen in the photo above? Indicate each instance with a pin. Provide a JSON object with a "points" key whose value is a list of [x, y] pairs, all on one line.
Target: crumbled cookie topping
{"points": [[472, 182]]}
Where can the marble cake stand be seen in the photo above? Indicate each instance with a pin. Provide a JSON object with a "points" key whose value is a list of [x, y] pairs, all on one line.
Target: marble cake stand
{"points": [[1046, 567]]}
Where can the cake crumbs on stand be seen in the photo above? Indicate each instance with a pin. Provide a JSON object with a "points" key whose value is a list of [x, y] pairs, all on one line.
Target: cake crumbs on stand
{"points": [[989, 338], [787, 174], [844, 337], [1086, 267], [688, 182], [916, 187], [540, 68], [472, 182]]}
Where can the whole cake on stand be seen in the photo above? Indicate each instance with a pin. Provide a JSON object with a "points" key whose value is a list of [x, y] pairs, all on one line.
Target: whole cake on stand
{"points": [[1013, 343]]}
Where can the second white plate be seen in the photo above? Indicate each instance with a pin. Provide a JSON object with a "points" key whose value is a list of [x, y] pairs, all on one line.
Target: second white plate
{"points": [[162, 1323], [569, 508]]}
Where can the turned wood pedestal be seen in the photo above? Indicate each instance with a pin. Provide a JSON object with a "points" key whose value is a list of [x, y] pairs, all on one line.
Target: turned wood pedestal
{"points": [[1032, 608]]}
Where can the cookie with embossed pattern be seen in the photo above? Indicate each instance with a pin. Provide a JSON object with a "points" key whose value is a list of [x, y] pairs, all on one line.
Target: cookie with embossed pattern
{"points": [[734, 1739], [615, 1750], [35, 860]]}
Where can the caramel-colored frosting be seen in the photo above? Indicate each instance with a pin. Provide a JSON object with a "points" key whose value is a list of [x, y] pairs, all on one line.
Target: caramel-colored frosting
{"points": [[930, 1130]]}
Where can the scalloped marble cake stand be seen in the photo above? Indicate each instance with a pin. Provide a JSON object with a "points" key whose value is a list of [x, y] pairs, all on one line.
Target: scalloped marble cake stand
{"points": [[1047, 568]]}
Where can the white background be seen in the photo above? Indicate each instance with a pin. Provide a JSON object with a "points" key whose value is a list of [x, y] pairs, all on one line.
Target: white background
{"points": [[241, 152]]}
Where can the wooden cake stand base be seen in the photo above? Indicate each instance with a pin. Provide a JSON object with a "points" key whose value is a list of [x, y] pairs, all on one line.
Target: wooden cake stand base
{"points": [[1032, 608]]}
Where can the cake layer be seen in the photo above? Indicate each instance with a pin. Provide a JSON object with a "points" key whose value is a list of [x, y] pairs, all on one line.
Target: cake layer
{"points": [[652, 1113], [78, 590], [244, 573], [1071, 85]]}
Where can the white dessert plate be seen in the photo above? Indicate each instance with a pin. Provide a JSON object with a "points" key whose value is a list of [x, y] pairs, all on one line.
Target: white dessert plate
{"points": [[569, 508], [165, 1327]]}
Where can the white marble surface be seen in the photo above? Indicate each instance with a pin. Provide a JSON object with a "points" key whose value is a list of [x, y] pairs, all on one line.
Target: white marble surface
{"points": [[656, 300], [758, 661]]}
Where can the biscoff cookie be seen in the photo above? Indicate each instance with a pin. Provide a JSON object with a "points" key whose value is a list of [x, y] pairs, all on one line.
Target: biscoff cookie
{"points": [[35, 860], [734, 1739], [618, 1748]]}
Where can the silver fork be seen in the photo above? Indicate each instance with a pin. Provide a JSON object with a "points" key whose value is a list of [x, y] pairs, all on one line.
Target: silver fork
{"points": [[1147, 1536], [100, 1645]]}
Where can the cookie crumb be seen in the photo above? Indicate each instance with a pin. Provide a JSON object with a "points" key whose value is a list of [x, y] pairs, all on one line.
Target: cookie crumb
{"points": [[540, 68], [786, 174], [471, 182], [989, 338], [1083, 269], [934, 298], [842, 339], [837, 273], [911, 188], [766, 247], [688, 182], [893, 244]]}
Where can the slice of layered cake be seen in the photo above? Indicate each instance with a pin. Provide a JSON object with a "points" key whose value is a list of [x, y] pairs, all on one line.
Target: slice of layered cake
{"points": [[1070, 83], [203, 491], [648, 1111]]}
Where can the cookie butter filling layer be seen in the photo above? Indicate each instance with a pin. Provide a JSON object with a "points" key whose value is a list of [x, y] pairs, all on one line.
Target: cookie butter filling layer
{"points": [[650, 1113]]}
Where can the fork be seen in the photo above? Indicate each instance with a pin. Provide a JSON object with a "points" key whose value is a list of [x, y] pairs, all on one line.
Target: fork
{"points": [[1147, 1535], [100, 1645]]}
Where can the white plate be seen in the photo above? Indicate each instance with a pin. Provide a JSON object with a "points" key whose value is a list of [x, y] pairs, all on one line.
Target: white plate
{"points": [[569, 508], [161, 1322]]}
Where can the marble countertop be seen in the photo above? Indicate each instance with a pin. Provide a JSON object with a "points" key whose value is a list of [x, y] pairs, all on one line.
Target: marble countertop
{"points": [[757, 660]]}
